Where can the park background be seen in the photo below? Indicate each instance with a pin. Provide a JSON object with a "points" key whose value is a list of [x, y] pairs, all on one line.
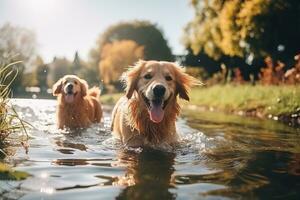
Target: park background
{"points": [[245, 52]]}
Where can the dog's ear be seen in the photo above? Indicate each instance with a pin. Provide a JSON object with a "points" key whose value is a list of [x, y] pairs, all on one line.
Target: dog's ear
{"points": [[83, 87], [56, 88], [184, 82], [131, 78]]}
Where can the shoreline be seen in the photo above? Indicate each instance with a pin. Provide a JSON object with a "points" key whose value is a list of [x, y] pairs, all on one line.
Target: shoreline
{"points": [[292, 119], [279, 103]]}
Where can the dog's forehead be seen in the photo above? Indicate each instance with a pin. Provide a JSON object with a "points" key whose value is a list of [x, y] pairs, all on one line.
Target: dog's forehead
{"points": [[71, 78], [158, 67]]}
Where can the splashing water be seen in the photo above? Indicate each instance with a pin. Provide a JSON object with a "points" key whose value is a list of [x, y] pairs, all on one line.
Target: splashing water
{"points": [[219, 157]]}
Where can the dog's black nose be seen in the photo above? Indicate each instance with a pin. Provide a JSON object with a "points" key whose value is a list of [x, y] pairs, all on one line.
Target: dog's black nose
{"points": [[70, 87], [159, 90]]}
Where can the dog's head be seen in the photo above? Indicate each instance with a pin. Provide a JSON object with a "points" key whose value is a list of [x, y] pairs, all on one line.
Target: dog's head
{"points": [[71, 88], [158, 83]]}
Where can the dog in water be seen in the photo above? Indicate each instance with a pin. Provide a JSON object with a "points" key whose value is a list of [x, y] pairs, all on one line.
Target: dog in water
{"points": [[146, 115], [78, 106]]}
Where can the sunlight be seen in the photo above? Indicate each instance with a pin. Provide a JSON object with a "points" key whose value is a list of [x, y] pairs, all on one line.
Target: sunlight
{"points": [[44, 175], [40, 7], [47, 190]]}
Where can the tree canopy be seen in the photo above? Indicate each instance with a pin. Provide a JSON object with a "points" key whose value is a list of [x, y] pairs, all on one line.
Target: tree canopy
{"points": [[116, 57], [16, 44], [246, 29], [58, 68], [84, 70], [41, 73], [143, 33]]}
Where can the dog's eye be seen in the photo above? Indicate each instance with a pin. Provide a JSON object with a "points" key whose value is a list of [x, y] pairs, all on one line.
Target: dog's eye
{"points": [[168, 78], [75, 82], [148, 76]]}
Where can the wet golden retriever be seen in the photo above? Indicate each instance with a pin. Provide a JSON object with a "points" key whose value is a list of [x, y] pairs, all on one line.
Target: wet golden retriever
{"points": [[146, 115], [78, 106]]}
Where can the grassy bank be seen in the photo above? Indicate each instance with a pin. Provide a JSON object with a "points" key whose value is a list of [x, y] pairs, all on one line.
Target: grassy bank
{"points": [[267, 100], [278, 102]]}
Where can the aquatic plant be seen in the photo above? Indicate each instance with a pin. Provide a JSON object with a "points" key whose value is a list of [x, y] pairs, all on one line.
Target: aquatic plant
{"points": [[6, 173], [10, 121]]}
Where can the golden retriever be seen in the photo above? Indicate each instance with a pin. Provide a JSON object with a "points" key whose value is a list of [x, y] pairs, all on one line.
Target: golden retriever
{"points": [[146, 115], [78, 106]]}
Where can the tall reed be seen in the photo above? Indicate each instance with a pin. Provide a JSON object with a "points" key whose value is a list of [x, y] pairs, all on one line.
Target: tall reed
{"points": [[10, 121]]}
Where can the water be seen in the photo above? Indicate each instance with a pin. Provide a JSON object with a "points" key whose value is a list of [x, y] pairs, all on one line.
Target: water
{"points": [[219, 157]]}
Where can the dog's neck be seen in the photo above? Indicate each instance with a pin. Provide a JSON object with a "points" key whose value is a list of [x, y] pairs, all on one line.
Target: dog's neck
{"points": [[139, 119]]}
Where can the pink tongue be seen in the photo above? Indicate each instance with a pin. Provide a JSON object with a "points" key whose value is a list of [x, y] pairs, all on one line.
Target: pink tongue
{"points": [[69, 98], [156, 114]]}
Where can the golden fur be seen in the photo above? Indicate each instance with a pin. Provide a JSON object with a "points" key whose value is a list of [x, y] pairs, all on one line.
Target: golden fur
{"points": [[84, 108], [131, 120]]}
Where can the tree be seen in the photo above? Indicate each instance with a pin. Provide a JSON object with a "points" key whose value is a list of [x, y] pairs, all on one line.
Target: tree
{"points": [[90, 74], [247, 29], [116, 57], [84, 70], [143, 33], [77, 64], [41, 74], [16, 44], [58, 68], [203, 34]]}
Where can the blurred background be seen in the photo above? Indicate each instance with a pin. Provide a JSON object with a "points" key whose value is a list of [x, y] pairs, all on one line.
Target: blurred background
{"points": [[219, 41]]}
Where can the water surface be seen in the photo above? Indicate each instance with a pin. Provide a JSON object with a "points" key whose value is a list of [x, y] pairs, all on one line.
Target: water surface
{"points": [[219, 157]]}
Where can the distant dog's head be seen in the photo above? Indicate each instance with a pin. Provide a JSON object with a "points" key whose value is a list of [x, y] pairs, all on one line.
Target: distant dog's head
{"points": [[70, 87], [158, 83]]}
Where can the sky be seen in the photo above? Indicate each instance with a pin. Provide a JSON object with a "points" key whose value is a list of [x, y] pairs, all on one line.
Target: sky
{"points": [[65, 26]]}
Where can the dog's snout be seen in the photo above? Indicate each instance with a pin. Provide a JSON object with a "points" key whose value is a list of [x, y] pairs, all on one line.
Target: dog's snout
{"points": [[70, 87], [159, 91]]}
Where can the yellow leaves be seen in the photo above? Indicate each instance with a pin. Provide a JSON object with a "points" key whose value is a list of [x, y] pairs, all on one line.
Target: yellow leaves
{"points": [[116, 57], [246, 16], [229, 28], [235, 28]]}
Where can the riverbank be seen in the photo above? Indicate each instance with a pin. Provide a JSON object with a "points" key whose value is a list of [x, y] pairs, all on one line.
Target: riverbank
{"points": [[281, 103]]}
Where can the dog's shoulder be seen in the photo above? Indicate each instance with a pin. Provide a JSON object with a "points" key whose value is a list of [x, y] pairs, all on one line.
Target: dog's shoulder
{"points": [[119, 108]]}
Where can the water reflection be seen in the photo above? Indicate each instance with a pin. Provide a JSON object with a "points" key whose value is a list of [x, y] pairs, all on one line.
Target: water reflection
{"points": [[220, 157], [266, 176], [252, 158], [148, 175], [67, 147]]}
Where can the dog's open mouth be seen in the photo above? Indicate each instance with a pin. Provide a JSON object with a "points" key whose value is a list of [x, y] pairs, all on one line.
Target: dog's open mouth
{"points": [[156, 108], [69, 97]]}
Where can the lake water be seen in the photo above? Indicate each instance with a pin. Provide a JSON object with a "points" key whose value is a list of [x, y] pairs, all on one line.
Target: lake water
{"points": [[219, 157]]}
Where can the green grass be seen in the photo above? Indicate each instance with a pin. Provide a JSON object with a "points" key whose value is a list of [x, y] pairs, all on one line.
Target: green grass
{"points": [[9, 118], [9, 122], [273, 100]]}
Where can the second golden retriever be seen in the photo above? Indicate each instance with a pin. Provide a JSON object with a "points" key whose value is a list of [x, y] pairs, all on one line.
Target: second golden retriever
{"points": [[78, 106], [146, 115]]}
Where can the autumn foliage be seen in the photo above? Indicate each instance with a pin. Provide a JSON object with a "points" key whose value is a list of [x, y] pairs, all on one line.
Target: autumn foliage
{"points": [[274, 74], [271, 73], [292, 76], [116, 57]]}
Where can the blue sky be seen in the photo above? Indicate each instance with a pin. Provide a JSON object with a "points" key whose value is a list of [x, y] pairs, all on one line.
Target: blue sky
{"points": [[64, 26]]}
